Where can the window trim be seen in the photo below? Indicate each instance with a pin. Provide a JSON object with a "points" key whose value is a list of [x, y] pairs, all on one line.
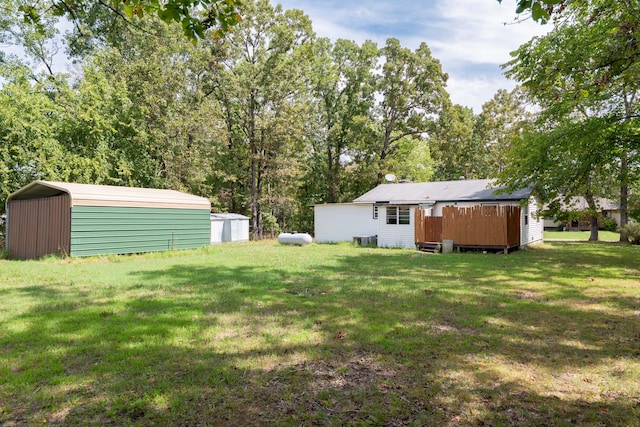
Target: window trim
{"points": [[392, 215], [406, 218], [398, 215]]}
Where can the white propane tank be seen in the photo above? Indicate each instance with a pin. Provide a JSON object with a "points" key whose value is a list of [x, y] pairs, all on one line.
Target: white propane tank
{"points": [[294, 238]]}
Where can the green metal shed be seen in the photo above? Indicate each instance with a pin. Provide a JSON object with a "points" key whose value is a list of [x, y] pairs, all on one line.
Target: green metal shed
{"points": [[47, 217]]}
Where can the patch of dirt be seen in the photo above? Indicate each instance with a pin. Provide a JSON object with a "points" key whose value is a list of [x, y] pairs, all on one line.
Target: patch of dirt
{"points": [[528, 295], [349, 391], [451, 329]]}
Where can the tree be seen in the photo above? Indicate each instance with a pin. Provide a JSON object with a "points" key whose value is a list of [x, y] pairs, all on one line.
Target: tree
{"points": [[585, 69], [343, 85], [194, 16], [164, 127], [502, 120], [258, 87], [456, 150], [541, 10], [412, 92], [561, 160], [29, 148]]}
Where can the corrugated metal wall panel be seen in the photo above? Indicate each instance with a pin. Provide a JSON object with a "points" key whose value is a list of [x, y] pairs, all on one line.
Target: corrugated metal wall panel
{"points": [[217, 226], [97, 230], [238, 230], [39, 227]]}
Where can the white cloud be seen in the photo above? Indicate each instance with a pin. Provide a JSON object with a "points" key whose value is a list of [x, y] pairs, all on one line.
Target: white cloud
{"points": [[469, 37]]}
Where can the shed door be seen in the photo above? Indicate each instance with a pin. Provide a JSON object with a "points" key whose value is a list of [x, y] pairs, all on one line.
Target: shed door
{"points": [[39, 227]]}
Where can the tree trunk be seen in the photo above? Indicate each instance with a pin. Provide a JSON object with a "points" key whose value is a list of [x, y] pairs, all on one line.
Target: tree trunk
{"points": [[624, 195], [255, 209], [385, 150], [333, 183], [593, 237], [593, 208], [256, 223]]}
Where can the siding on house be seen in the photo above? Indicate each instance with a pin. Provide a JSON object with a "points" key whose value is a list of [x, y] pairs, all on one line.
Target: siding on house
{"points": [[340, 222], [396, 235], [531, 228], [97, 230]]}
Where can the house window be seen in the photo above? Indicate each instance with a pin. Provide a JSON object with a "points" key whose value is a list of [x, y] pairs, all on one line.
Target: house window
{"points": [[398, 215], [375, 212], [392, 215], [404, 216], [526, 215]]}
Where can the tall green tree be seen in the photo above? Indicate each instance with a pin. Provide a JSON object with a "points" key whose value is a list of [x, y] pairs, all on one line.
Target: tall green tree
{"points": [[343, 85], [502, 119], [585, 69], [193, 16], [29, 148], [163, 122], [259, 87], [571, 158], [411, 89], [456, 150]]}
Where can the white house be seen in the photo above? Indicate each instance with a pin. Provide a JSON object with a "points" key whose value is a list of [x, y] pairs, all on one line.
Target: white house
{"points": [[389, 211]]}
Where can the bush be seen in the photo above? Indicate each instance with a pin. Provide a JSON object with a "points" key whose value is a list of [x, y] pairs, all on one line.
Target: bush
{"points": [[270, 224], [632, 229], [609, 224]]}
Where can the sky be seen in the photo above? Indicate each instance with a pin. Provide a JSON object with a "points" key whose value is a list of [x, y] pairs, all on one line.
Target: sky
{"points": [[468, 37]]}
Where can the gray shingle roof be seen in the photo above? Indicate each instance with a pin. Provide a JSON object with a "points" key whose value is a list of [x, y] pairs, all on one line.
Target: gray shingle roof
{"points": [[441, 191]]}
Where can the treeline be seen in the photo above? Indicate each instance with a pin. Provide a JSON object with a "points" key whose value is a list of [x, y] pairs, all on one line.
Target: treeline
{"points": [[265, 121]]}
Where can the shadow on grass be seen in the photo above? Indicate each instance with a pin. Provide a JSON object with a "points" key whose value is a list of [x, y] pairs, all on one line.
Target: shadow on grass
{"points": [[373, 337]]}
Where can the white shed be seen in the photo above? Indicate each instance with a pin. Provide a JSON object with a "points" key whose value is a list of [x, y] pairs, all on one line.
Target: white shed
{"points": [[229, 227]]}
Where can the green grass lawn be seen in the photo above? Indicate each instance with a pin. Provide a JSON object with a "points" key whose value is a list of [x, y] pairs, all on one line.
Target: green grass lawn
{"points": [[263, 334], [581, 235]]}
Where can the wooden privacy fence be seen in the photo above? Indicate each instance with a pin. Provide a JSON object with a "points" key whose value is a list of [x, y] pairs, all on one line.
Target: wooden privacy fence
{"points": [[478, 226], [482, 226], [427, 228]]}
